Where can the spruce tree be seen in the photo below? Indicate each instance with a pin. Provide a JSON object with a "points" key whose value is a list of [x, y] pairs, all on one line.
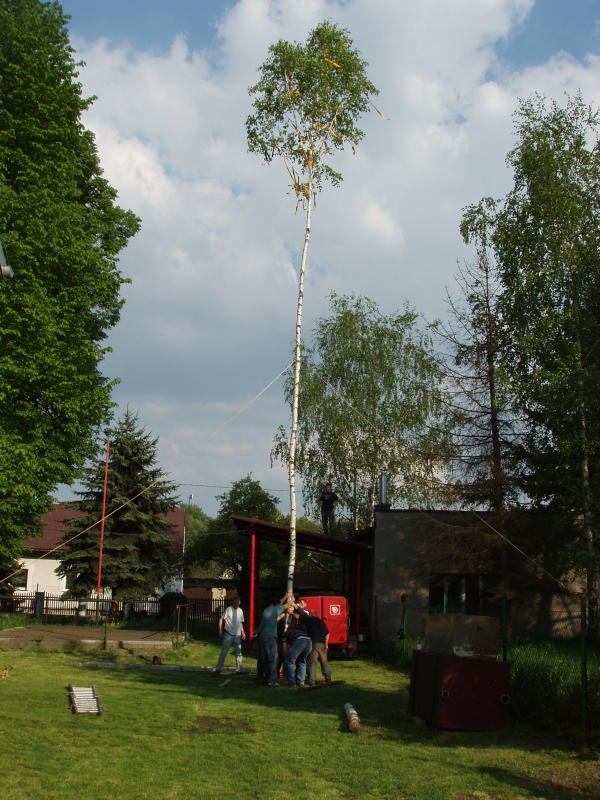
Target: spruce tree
{"points": [[482, 412], [138, 554]]}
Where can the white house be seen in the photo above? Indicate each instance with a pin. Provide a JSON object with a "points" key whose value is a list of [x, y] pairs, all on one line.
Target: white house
{"points": [[39, 568]]}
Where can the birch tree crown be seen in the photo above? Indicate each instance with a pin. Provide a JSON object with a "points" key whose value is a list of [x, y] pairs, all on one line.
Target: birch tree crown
{"points": [[307, 104]]}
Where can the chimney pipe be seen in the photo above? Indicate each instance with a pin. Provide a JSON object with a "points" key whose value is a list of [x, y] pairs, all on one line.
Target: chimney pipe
{"points": [[383, 501]]}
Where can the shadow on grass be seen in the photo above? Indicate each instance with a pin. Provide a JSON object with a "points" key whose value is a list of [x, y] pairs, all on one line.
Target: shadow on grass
{"points": [[382, 710], [561, 783]]}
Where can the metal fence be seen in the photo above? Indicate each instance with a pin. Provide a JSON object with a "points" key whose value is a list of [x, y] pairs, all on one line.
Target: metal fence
{"points": [[555, 678], [555, 672], [56, 608]]}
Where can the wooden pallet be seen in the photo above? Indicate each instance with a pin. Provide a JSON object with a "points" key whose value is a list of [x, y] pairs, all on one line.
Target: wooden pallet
{"points": [[84, 700]]}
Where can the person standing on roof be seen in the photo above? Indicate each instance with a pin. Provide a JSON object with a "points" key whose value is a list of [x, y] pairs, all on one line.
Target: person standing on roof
{"points": [[329, 501], [231, 630]]}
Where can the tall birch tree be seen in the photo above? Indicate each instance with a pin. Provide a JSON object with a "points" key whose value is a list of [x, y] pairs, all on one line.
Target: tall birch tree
{"points": [[306, 105]]}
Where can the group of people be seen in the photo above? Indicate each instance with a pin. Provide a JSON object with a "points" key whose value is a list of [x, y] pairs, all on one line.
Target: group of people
{"points": [[298, 648]]}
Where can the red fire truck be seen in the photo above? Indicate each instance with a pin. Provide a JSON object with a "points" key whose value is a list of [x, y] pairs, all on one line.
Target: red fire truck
{"points": [[334, 613]]}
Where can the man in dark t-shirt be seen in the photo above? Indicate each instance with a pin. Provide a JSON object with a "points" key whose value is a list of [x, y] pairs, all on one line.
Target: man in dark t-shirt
{"points": [[329, 501], [319, 635], [300, 613]]}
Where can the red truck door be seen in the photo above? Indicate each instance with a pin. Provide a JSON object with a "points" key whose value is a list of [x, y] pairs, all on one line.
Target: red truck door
{"points": [[335, 616], [314, 604]]}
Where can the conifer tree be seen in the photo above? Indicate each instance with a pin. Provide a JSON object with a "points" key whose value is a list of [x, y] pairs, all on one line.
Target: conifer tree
{"points": [[479, 403], [137, 555]]}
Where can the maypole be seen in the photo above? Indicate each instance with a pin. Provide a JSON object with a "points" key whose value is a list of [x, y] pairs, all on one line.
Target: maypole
{"points": [[295, 401], [307, 102], [102, 520]]}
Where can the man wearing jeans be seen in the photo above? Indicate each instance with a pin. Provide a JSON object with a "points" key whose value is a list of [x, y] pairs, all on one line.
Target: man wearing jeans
{"points": [[231, 630], [296, 648], [319, 634], [267, 640]]}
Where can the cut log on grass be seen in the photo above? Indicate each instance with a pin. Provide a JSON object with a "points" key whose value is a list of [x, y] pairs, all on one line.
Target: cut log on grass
{"points": [[353, 720], [155, 667]]}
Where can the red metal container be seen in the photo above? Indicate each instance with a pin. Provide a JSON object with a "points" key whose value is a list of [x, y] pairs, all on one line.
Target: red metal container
{"points": [[334, 613], [468, 694]]}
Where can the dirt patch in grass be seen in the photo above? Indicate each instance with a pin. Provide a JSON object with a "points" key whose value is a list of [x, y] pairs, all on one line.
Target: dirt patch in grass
{"points": [[572, 781], [471, 796], [583, 778], [227, 725]]}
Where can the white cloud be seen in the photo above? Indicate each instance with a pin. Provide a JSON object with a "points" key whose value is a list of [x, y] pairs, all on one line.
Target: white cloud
{"points": [[209, 318]]}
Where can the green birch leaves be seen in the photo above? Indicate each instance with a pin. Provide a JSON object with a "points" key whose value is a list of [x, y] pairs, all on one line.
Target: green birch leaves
{"points": [[307, 104]]}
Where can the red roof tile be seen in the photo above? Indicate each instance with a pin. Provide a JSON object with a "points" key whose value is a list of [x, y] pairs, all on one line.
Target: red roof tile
{"points": [[54, 528]]}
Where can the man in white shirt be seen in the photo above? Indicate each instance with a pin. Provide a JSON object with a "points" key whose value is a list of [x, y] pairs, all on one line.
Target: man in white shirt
{"points": [[231, 630]]}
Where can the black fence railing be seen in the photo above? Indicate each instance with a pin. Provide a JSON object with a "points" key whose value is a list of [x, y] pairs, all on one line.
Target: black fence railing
{"points": [[46, 606], [555, 668]]}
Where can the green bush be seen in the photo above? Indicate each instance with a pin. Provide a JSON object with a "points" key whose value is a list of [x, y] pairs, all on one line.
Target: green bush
{"points": [[546, 685], [12, 621]]}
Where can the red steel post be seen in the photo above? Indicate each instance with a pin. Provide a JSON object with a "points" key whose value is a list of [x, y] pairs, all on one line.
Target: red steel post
{"points": [[103, 516], [252, 585]]}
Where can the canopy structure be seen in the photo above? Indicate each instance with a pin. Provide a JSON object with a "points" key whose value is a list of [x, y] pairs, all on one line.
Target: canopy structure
{"points": [[259, 530]]}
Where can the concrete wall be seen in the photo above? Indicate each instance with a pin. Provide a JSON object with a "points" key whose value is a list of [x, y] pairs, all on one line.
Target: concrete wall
{"points": [[400, 567]]}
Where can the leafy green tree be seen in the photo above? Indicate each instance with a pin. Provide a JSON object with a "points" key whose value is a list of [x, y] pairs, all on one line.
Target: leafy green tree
{"points": [[546, 240], [196, 521], [223, 552], [138, 555], [307, 105], [63, 231], [370, 402]]}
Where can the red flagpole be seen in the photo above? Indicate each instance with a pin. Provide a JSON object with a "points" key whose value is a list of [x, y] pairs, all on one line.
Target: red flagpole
{"points": [[252, 586], [103, 516]]}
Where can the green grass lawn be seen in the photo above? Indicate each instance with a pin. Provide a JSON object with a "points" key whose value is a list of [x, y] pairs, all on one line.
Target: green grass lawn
{"points": [[182, 735]]}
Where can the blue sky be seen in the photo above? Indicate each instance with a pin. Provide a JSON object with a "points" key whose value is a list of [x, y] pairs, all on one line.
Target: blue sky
{"points": [[209, 316], [147, 23], [552, 26]]}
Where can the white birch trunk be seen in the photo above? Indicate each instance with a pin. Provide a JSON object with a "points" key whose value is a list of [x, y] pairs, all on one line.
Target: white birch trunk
{"points": [[294, 433]]}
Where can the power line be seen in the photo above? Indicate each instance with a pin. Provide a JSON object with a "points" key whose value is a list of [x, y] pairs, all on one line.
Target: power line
{"points": [[387, 436], [163, 475], [214, 486]]}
